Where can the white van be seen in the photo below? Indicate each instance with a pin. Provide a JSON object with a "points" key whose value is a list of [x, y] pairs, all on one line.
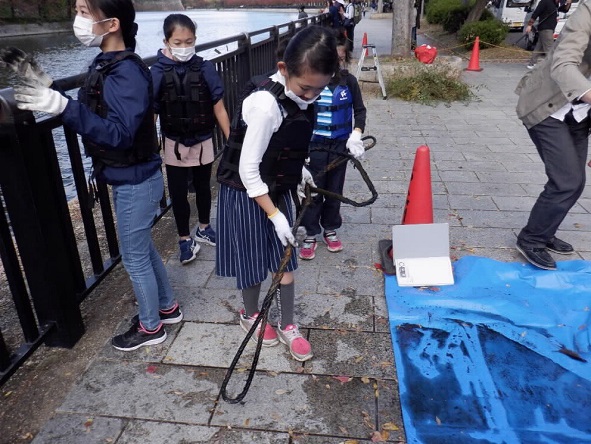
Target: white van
{"points": [[511, 12]]}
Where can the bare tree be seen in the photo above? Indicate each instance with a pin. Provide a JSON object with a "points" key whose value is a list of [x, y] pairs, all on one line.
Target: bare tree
{"points": [[476, 11], [401, 38]]}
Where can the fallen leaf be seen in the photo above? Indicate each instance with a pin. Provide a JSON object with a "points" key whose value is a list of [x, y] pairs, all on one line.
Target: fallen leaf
{"points": [[343, 430], [377, 437], [351, 441], [358, 359], [342, 379], [246, 422], [88, 422], [8, 393], [365, 379], [390, 426], [151, 369]]}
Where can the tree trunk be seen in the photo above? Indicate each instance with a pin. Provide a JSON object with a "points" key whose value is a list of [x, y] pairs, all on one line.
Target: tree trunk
{"points": [[401, 28], [476, 11]]}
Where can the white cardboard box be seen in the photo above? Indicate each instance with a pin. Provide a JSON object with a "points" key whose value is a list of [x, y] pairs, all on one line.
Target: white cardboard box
{"points": [[421, 255]]}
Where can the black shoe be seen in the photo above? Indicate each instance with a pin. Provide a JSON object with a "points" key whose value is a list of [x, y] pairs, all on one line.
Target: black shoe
{"points": [[173, 315], [559, 246], [537, 256], [137, 336]]}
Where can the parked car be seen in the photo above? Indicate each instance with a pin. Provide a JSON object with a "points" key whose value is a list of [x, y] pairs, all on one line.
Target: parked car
{"points": [[511, 12]]}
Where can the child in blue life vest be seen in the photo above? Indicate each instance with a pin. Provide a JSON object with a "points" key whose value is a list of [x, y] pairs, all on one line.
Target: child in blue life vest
{"points": [[113, 114], [188, 98], [340, 122], [263, 163]]}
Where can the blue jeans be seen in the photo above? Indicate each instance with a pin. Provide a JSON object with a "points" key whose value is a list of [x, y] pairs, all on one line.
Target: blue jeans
{"points": [[135, 208]]}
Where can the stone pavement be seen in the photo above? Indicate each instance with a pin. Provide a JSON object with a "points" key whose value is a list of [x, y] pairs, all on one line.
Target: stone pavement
{"points": [[486, 175]]}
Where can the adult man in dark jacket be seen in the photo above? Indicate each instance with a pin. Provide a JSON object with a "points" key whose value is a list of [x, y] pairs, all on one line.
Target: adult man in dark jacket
{"points": [[547, 15]]}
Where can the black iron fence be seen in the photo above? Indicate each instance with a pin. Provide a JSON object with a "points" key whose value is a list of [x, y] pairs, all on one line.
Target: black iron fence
{"points": [[50, 264]]}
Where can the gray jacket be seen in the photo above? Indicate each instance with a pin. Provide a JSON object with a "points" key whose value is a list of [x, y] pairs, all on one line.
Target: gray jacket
{"points": [[562, 76]]}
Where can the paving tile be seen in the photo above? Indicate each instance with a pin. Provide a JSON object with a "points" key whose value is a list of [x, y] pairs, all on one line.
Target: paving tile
{"points": [[304, 404], [145, 391], [145, 432], [79, 429]]}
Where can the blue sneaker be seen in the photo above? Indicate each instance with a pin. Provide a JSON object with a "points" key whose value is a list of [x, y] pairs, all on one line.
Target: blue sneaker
{"points": [[206, 235], [189, 249]]}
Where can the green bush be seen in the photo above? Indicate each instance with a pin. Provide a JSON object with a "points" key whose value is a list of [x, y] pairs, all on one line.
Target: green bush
{"points": [[489, 31], [429, 87], [438, 10], [457, 16]]}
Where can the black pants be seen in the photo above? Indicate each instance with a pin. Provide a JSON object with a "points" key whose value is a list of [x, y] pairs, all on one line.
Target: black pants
{"points": [[563, 149], [178, 187], [351, 36], [325, 211]]}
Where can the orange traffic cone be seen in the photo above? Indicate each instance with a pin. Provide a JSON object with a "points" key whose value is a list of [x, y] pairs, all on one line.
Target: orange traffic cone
{"points": [[419, 200], [474, 64], [364, 42]]}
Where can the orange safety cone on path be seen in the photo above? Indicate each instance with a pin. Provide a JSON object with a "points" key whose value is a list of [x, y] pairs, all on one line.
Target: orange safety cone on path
{"points": [[364, 42], [419, 200], [474, 64]]}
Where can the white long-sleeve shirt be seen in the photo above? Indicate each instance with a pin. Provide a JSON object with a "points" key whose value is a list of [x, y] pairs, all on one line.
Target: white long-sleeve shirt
{"points": [[263, 115]]}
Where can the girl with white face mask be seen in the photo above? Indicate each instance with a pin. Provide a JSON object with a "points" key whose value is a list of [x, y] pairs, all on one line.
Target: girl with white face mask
{"points": [[114, 116], [261, 166], [188, 95]]}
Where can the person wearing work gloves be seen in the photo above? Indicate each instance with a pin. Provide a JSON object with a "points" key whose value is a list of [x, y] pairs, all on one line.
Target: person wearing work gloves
{"points": [[113, 114], [339, 105], [262, 165]]}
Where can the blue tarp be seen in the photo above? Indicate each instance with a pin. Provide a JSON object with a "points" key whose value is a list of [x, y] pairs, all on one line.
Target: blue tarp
{"points": [[502, 356]]}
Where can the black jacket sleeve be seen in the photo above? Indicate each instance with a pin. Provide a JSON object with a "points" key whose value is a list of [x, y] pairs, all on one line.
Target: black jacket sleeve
{"points": [[359, 110]]}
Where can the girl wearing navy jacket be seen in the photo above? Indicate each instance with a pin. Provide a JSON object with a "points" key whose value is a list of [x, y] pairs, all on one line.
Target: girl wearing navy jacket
{"points": [[262, 163], [340, 121], [188, 97], [113, 114]]}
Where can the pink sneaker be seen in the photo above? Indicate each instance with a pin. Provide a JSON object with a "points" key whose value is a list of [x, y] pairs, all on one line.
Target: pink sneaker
{"points": [[332, 241], [299, 347], [308, 249], [269, 337]]}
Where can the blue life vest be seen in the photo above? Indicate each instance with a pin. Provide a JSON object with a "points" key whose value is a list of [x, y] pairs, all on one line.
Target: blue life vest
{"points": [[334, 112]]}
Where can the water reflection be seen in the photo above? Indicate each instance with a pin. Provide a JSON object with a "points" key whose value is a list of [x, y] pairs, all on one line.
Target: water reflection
{"points": [[61, 55]]}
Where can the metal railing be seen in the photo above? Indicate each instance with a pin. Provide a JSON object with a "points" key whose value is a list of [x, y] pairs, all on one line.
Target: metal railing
{"points": [[51, 264]]}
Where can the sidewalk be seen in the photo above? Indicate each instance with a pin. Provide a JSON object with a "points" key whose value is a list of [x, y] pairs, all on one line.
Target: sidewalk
{"points": [[486, 175]]}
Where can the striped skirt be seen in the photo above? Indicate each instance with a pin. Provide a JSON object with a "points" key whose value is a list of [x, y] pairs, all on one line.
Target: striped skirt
{"points": [[247, 246]]}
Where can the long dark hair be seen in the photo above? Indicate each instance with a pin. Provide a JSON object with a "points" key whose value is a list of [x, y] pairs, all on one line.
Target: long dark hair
{"points": [[313, 48], [122, 10], [181, 20]]}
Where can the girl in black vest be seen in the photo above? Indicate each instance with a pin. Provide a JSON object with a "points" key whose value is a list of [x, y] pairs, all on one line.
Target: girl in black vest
{"points": [[119, 134], [262, 163], [188, 97]]}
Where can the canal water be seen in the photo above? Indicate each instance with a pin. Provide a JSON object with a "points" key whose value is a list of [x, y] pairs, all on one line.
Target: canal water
{"points": [[61, 55]]}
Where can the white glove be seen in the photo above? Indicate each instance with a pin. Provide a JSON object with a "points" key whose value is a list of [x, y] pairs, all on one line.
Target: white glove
{"points": [[35, 97], [24, 65], [282, 228], [306, 179], [355, 145]]}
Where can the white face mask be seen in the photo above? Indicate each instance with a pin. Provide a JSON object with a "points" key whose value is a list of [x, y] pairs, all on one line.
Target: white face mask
{"points": [[182, 54], [298, 100], [83, 31]]}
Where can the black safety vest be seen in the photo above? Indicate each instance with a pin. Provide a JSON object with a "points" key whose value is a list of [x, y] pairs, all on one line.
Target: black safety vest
{"points": [[186, 106], [145, 141], [281, 166]]}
